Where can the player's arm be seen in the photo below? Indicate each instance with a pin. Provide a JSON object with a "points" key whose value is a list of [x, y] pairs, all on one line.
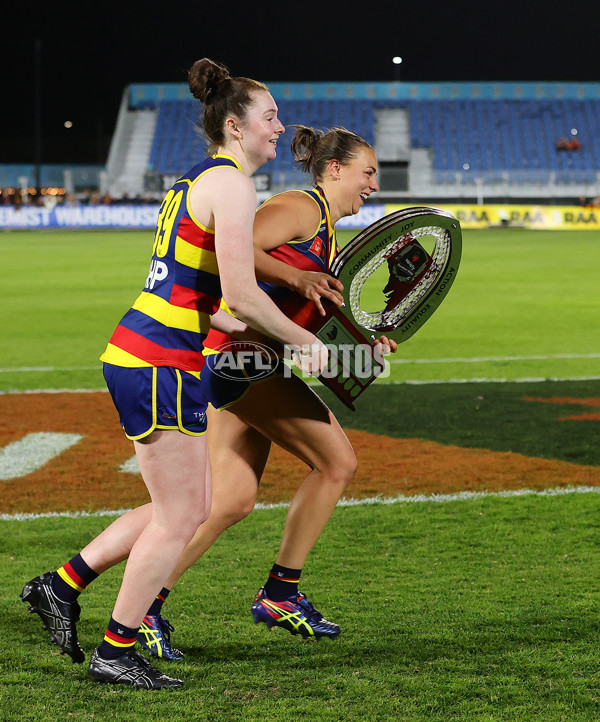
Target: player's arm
{"points": [[232, 201], [226, 323], [286, 217]]}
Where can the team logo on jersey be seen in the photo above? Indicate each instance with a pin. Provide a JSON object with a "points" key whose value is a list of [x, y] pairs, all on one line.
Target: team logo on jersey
{"points": [[317, 247], [158, 272]]}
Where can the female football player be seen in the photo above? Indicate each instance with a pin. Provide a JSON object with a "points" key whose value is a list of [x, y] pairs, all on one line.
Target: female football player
{"points": [[202, 249]]}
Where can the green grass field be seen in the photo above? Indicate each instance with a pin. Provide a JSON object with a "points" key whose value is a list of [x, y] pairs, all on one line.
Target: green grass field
{"points": [[524, 304], [460, 609], [483, 610]]}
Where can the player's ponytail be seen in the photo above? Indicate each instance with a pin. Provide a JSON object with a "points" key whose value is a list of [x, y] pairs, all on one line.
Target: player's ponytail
{"points": [[313, 149]]}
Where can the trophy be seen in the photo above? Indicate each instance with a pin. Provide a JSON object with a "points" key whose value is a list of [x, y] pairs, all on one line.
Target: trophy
{"points": [[392, 252]]}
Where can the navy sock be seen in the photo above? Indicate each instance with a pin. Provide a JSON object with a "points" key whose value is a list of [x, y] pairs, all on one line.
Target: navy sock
{"points": [[282, 583], [117, 640], [156, 606], [72, 578]]}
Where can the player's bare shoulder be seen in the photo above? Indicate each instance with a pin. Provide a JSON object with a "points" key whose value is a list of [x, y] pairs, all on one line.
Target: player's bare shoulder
{"points": [[225, 180], [295, 210], [222, 190]]}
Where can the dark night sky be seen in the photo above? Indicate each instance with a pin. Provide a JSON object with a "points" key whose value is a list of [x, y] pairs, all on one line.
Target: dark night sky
{"points": [[88, 56]]}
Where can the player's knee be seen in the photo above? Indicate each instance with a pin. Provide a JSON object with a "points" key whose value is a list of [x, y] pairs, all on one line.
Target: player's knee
{"points": [[240, 511], [186, 529], [193, 517], [234, 512], [349, 466], [341, 468]]}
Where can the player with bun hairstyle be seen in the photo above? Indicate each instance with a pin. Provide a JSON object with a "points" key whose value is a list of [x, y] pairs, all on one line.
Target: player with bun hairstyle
{"points": [[294, 237], [202, 250]]}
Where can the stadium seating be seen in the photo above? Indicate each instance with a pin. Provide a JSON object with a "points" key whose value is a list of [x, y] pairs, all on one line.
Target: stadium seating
{"points": [[499, 135], [178, 142]]}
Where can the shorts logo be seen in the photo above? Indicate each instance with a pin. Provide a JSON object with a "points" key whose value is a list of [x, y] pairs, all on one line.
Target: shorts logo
{"points": [[237, 361], [167, 413]]}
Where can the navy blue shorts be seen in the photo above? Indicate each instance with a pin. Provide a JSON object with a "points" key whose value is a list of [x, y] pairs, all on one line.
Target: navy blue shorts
{"points": [[227, 377], [160, 397]]}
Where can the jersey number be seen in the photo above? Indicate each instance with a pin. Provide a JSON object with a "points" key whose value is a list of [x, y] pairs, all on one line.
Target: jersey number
{"points": [[166, 219]]}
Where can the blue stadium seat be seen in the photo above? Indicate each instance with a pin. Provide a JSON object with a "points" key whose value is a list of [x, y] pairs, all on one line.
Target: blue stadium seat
{"points": [[490, 135]]}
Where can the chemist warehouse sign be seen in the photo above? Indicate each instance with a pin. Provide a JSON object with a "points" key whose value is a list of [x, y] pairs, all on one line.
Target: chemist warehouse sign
{"points": [[117, 216], [128, 216], [470, 216]]}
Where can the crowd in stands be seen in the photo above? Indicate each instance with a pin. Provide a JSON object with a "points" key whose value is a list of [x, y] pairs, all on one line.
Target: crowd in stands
{"points": [[15, 197], [588, 202], [565, 144]]}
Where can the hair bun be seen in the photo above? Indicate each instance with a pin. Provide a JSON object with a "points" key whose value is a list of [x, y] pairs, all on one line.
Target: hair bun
{"points": [[206, 77]]}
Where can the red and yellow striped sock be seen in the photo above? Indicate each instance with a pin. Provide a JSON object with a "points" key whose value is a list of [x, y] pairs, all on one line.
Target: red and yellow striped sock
{"points": [[117, 639], [72, 578]]}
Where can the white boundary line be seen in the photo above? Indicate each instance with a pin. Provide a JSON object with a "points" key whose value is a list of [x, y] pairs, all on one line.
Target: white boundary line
{"points": [[314, 382], [386, 500]]}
